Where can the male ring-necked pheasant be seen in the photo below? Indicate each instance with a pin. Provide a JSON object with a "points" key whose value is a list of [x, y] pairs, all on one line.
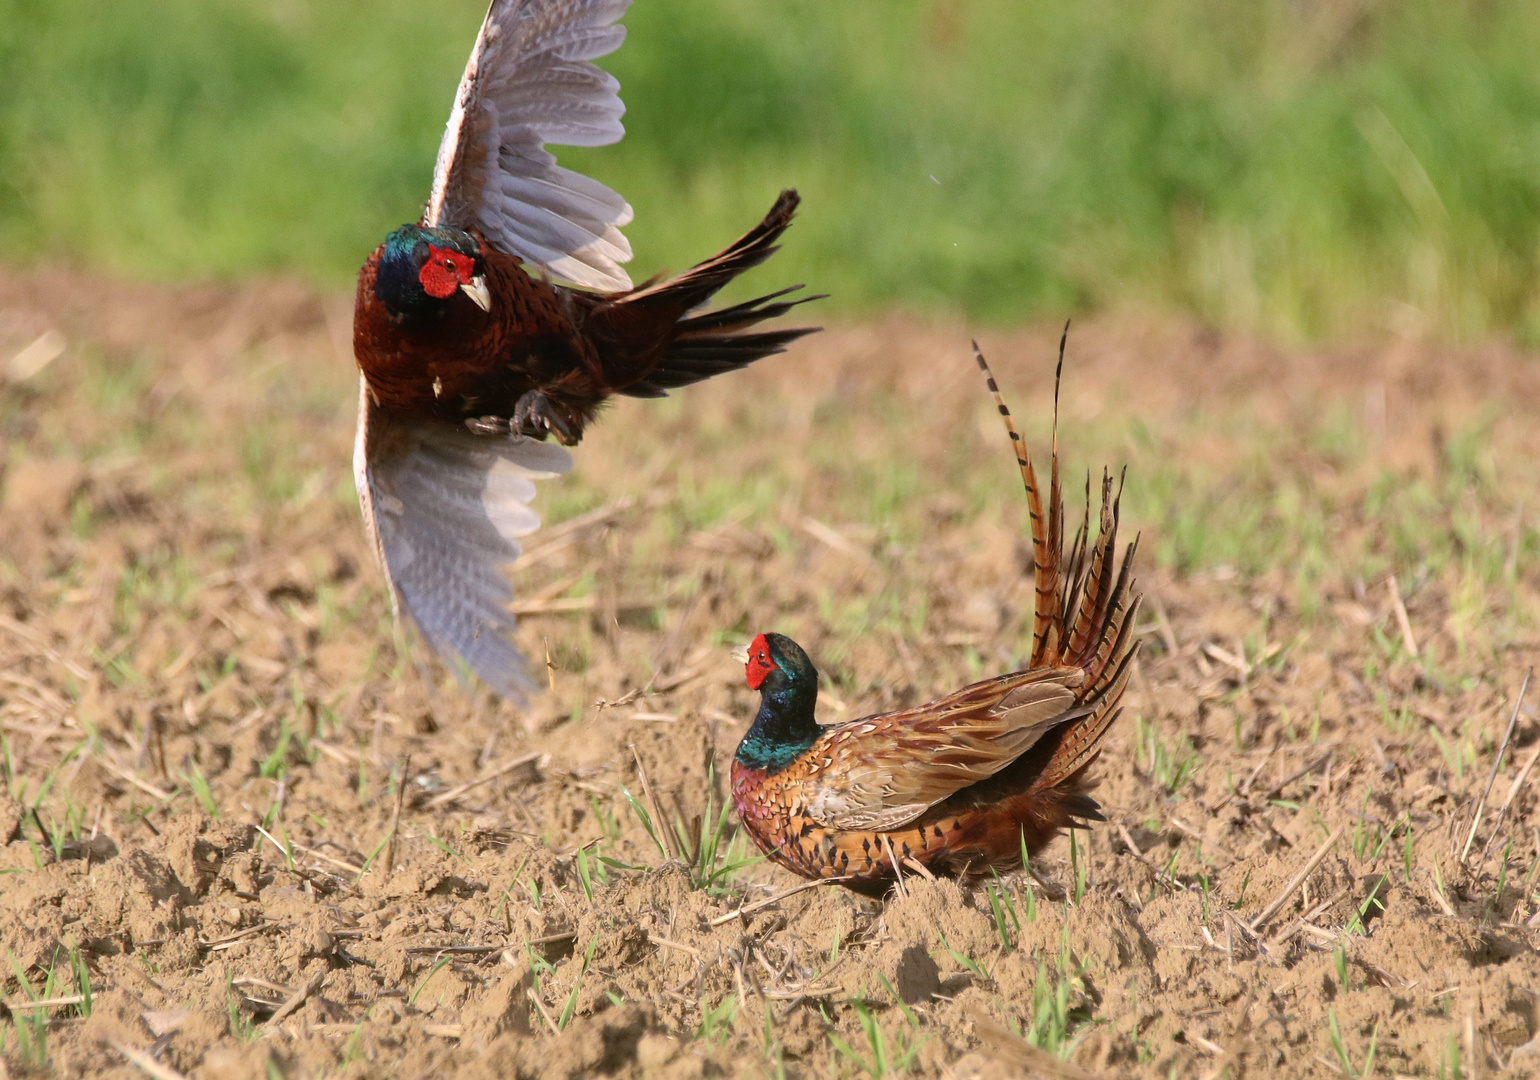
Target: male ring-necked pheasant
{"points": [[965, 783], [503, 316]]}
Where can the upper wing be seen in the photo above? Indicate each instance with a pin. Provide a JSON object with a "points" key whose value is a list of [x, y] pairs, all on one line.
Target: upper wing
{"points": [[529, 82], [885, 771], [444, 509]]}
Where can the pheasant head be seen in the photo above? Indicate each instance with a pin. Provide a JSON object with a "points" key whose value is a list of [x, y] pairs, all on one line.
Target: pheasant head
{"points": [[787, 683], [421, 271]]}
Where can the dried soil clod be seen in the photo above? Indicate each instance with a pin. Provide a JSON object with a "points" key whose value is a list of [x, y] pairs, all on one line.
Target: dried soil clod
{"points": [[1297, 880], [143, 785], [298, 998], [1002, 1044], [454, 793], [1193, 834], [665, 943], [145, 1061], [208, 564], [544, 1013], [760, 905], [1277, 788], [225, 942]]}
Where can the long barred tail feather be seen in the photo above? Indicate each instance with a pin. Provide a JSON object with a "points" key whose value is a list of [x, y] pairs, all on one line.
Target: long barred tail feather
{"points": [[1084, 604], [1056, 524], [1045, 568]]}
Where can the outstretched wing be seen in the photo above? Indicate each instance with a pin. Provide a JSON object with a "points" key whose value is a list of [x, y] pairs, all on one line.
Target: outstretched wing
{"points": [[445, 509], [884, 771], [530, 82]]}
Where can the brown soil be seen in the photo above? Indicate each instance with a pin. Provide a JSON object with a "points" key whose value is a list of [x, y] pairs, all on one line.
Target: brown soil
{"points": [[194, 642]]}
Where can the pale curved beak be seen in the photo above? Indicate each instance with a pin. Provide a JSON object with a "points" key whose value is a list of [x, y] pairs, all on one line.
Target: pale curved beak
{"points": [[476, 289], [741, 654]]}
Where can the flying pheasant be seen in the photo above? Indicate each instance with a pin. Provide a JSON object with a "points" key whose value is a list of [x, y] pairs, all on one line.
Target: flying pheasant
{"points": [[503, 316], [968, 782]]}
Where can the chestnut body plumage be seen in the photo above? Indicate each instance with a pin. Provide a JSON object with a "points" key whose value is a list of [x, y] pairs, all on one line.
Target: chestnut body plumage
{"points": [[540, 358], [503, 317], [966, 783]]}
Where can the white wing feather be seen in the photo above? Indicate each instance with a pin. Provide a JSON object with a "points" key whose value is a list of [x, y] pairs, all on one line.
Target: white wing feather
{"points": [[444, 509], [529, 82]]}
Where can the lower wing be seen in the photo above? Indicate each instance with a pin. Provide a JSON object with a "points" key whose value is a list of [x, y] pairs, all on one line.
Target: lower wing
{"points": [[444, 509]]}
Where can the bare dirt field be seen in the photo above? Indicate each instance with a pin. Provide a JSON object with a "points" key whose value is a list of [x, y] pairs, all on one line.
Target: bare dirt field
{"points": [[250, 830]]}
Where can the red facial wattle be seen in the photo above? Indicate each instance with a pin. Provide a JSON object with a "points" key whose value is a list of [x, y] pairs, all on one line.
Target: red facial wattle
{"points": [[760, 665], [445, 271]]}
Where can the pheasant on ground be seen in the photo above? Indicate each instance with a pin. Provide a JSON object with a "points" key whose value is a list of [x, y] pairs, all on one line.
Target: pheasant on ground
{"points": [[972, 781], [503, 316]]}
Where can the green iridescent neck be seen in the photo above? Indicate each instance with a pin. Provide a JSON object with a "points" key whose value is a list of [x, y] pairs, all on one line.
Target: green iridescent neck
{"points": [[784, 727]]}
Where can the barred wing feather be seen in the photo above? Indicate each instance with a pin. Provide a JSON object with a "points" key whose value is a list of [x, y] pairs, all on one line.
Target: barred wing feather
{"points": [[445, 510], [530, 81], [888, 770]]}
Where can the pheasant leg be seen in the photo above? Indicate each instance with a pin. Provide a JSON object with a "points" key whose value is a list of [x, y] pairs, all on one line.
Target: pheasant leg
{"points": [[536, 416]]}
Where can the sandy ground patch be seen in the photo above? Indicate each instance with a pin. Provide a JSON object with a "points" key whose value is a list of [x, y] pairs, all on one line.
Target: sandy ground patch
{"points": [[212, 731]]}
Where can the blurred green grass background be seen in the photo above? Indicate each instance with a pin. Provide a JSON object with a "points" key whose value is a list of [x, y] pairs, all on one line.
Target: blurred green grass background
{"points": [[1298, 168]]}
